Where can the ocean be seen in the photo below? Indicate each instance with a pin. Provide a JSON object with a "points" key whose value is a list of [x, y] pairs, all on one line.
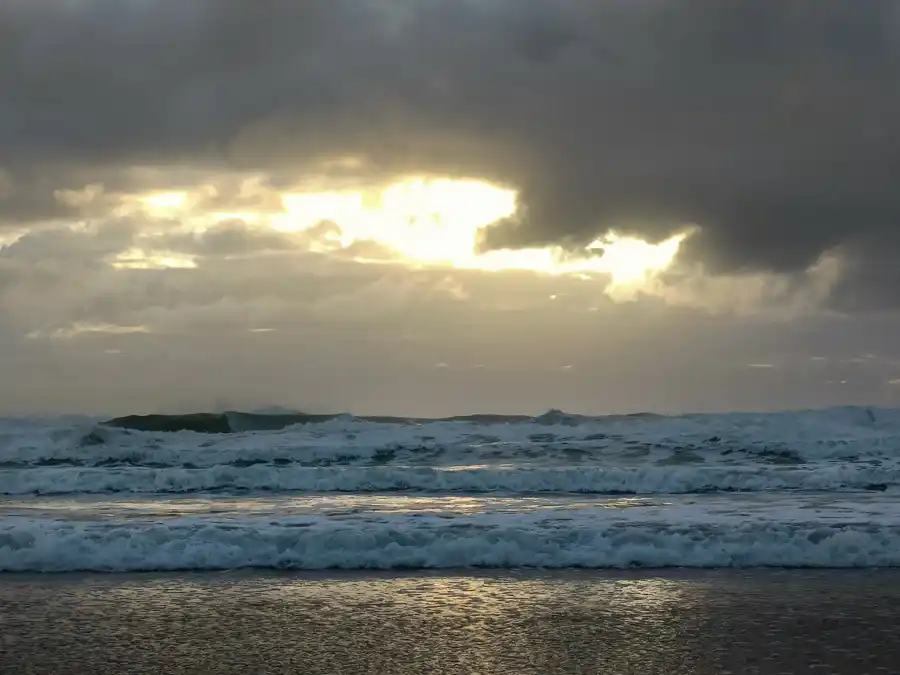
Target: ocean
{"points": [[808, 489]]}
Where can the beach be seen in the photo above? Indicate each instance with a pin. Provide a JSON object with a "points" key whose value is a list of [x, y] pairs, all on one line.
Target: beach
{"points": [[448, 622], [702, 544]]}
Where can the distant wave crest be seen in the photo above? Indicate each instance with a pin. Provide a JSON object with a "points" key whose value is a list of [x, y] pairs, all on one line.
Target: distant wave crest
{"points": [[234, 421]]}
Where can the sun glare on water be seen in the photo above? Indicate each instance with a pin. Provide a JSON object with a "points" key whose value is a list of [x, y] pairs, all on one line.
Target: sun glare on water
{"points": [[438, 223]]}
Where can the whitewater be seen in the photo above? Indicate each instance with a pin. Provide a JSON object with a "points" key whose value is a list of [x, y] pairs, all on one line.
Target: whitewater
{"points": [[816, 488]]}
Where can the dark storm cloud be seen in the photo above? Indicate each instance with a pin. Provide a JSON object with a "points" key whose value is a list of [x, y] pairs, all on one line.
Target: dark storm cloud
{"points": [[775, 126], [30, 199]]}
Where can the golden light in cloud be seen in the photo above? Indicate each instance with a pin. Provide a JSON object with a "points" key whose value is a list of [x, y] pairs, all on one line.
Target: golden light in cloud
{"points": [[419, 222], [85, 328], [141, 259], [164, 201], [424, 222], [438, 222], [8, 238], [166, 206]]}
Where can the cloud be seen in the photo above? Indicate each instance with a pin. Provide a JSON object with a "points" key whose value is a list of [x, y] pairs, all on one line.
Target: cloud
{"points": [[776, 294], [106, 277], [82, 328], [774, 127], [342, 335]]}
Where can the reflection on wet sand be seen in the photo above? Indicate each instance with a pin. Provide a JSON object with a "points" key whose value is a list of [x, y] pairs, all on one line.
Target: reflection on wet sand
{"points": [[488, 623]]}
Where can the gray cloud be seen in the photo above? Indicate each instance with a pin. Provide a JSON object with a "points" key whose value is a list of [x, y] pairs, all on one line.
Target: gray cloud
{"points": [[78, 335], [773, 126]]}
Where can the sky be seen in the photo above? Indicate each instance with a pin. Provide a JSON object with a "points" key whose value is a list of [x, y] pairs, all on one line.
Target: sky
{"points": [[432, 207]]}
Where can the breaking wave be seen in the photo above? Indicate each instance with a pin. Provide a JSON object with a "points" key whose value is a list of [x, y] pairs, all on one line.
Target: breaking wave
{"points": [[475, 480], [579, 539], [233, 421], [223, 461]]}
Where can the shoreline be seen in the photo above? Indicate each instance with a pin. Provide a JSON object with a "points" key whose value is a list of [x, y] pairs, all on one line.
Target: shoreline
{"points": [[492, 622], [761, 573]]}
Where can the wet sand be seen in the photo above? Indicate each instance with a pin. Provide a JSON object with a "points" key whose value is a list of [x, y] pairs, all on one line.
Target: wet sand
{"points": [[492, 623]]}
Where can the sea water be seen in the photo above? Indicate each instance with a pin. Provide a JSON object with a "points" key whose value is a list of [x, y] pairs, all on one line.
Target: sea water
{"points": [[794, 489]]}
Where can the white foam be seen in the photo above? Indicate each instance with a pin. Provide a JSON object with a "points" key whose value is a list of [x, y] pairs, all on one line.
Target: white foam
{"points": [[843, 534], [321, 482], [845, 434], [839, 449], [640, 480]]}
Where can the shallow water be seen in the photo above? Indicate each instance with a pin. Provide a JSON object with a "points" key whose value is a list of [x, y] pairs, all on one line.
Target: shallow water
{"points": [[498, 623], [397, 531]]}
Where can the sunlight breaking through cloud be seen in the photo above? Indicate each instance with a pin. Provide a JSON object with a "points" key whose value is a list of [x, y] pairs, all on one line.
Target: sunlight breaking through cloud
{"points": [[417, 223], [440, 222], [138, 258]]}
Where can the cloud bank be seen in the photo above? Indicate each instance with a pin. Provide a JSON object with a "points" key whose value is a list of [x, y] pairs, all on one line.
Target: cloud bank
{"points": [[771, 128]]}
